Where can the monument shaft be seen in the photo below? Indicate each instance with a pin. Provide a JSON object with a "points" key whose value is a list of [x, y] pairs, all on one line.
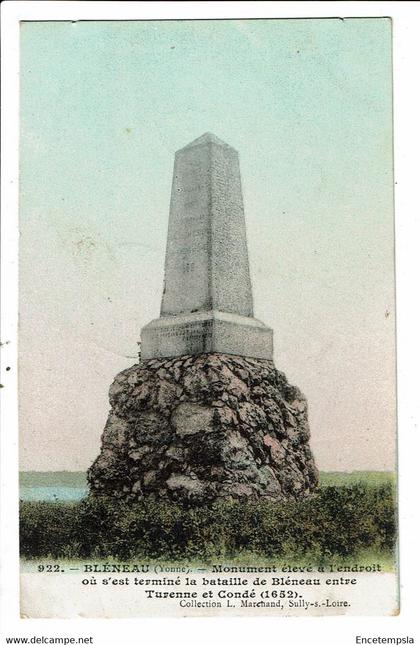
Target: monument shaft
{"points": [[207, 297], [206, 257]]}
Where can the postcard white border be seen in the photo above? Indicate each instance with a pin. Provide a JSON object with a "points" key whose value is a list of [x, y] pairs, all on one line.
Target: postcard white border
{"points": [[406, 23]]}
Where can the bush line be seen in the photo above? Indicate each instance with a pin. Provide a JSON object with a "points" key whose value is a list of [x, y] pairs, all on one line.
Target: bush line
{"points": [[335, 521]]}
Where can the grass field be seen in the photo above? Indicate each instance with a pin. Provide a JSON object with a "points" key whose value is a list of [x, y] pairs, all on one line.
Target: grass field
{"points": [[368, 477], [73, 479], [77, 479], [351, 516]]}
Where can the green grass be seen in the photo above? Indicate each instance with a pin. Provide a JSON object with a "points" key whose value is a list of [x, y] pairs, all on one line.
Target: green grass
{"points": [[368, 477], [343, 521], [77, 479], [33, 479]]}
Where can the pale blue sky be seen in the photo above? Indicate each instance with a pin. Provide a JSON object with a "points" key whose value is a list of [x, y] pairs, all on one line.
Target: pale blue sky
{"points": [[308, 105]]}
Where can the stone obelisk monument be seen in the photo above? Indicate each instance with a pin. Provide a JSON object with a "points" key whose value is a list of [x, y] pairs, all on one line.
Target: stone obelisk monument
{"points": [[207, 297], [205, 414]]}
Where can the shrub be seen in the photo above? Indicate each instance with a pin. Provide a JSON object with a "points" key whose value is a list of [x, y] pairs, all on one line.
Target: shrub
{"points": [[46, 528], [335, 521]]}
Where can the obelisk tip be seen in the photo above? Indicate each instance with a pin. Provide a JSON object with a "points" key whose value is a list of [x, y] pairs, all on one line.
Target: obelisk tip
{"points": [[208, 138]]}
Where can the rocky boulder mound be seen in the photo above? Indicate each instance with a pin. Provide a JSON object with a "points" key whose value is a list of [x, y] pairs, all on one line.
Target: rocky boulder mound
{"points": [[197, 428]]}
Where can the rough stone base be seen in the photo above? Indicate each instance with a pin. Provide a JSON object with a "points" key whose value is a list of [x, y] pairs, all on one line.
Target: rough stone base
{"points": [[198, 428]]}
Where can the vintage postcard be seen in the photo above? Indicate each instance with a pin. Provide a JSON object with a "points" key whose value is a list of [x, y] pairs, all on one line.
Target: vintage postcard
{"points": [[207, 390]]}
